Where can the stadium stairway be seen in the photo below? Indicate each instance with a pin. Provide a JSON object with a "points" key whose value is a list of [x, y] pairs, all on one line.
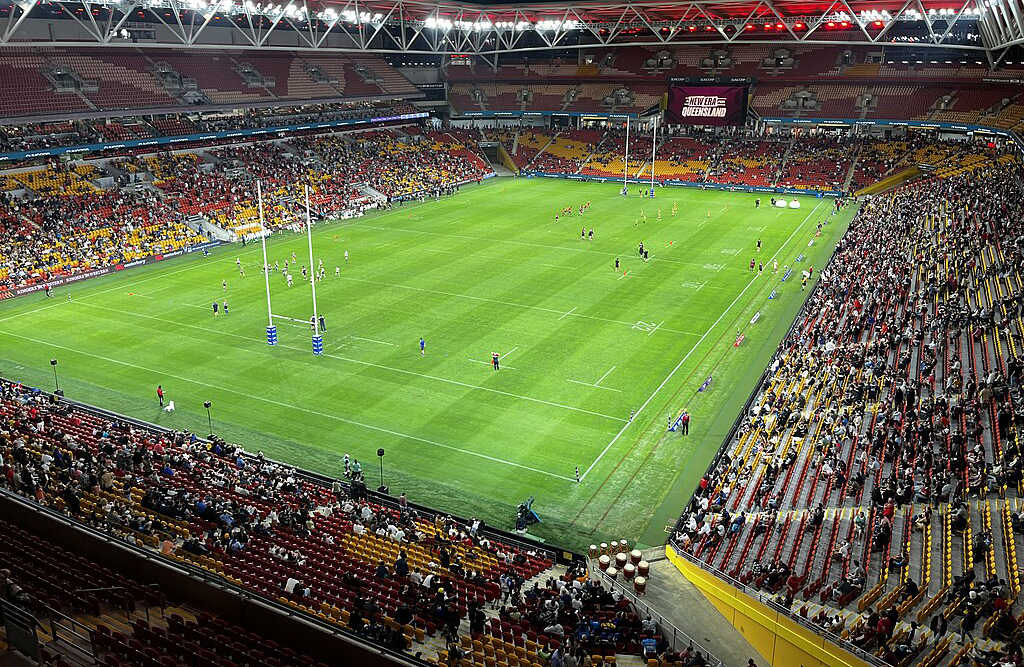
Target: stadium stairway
{"points": [[890, 182], [852, 171]]}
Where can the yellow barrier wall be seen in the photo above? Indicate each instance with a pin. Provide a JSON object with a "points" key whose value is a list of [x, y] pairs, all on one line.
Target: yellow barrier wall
{"points": [[779, 639], [506, 159]]}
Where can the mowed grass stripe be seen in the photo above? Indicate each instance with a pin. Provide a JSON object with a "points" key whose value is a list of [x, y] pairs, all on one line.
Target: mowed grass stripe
{"points": [[501, 276]]}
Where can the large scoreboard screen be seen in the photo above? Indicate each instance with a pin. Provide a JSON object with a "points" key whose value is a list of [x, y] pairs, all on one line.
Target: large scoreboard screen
{"points": [[707, 101]]}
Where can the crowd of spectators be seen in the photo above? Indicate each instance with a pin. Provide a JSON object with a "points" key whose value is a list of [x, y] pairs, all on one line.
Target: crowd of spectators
{"points": [[68, 223], [269, 526], [898, 391], [74, 227], [833, 162]]}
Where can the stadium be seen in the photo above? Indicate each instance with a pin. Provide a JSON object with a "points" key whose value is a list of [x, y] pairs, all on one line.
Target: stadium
{"points": [[547, 334]]}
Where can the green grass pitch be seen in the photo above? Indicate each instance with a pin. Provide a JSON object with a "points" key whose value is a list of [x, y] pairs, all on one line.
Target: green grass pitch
{"points": [[488, 270]]}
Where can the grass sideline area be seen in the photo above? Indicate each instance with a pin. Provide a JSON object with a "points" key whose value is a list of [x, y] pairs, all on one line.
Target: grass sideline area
{"points": [[488, 270]]}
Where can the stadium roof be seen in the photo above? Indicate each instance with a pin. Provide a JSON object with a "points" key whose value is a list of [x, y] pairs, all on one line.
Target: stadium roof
{"points": [[476, 27]]}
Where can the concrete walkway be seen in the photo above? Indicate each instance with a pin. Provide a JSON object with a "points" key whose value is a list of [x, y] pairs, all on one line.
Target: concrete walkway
{"points": [[673, 598]]}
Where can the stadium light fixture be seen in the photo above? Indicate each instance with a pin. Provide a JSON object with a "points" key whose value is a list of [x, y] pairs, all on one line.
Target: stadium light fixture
{"points": [[56, 384], [209, 417]]}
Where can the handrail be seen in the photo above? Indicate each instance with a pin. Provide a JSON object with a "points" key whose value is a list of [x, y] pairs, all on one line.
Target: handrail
{"points": [[768, 601], [100, 590], [678, 636], [55, 617]]}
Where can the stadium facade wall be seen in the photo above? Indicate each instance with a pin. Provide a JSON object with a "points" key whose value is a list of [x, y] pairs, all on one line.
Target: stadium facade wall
{"points": [[772, 631], [103, 271], [205, 136], [690, 184]]}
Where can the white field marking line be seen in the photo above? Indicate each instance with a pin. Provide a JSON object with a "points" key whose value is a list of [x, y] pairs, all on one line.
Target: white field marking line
{"points": [[509, 352], [365, 363], [605, 375], [488, 363], [567, 313], [656, 327], [498, 240], [292, 407], [624, 275], [159, 289], [595, 386], [370, 340], [144, 296], [695, 346], [501, 303], [559, 266]]}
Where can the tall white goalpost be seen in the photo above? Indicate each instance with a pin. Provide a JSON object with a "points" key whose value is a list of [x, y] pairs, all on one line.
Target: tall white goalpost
{"points": [[654, 150], [318, 341], [625, 166]]}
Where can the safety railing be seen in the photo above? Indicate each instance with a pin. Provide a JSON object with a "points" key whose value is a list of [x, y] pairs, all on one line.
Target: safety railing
{"points": [[676, 638]]}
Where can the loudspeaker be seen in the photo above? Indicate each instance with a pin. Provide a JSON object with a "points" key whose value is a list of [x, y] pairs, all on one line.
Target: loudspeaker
{"points": [[383, 489]]}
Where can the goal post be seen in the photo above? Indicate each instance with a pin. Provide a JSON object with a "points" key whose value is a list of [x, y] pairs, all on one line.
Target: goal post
{"points": [[271, 329], [272, 317], [318, 340]]}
